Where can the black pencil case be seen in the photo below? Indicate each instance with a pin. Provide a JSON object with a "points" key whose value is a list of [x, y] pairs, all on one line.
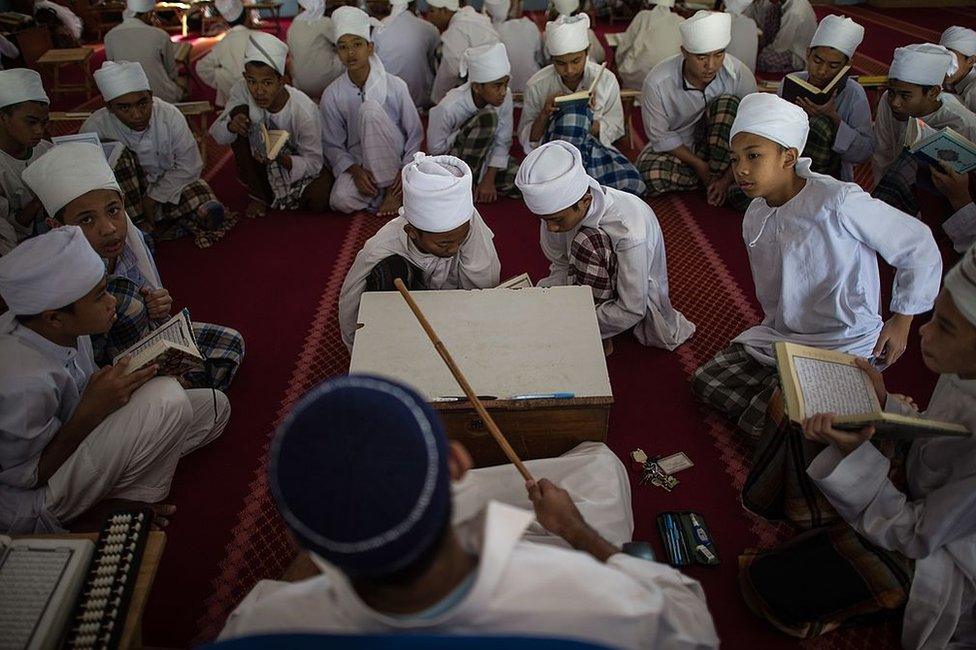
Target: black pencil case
{"points": [[686, 538]]}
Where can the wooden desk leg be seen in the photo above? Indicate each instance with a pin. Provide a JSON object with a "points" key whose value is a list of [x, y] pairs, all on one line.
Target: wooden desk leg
{"points": [[184, 19]]}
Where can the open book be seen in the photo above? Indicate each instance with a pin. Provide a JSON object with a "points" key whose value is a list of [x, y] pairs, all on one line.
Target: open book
{"points": [[268, 143], [522, 281], [824, 381], [112, 150], [39, 584], [582, 96], [940, 148], [170, 346], [794, 87]]}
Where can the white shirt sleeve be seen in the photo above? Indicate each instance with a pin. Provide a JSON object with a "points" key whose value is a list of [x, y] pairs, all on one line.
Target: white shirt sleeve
{"points": [[307, 136], [239, 96], [886, 147], [961, 227], [186, 158], [611, 113], [554, 248], [440, 128], [532, 102], [502, 142], [655, 117], [855, 139]]}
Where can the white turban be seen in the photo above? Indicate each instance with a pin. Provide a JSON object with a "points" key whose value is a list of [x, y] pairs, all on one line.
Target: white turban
{"points": [[568, 34], [737, 7], [140, 6], [265, 48], [312, 10], [924, 64], [774, 118], [116, 78], [498, 9], [960, 39], [437, 193], [552, 178], [351, 21], [21, 85], [840, 33], [960, 281], [706, 31], [66, 172], [565, 7], [485, 63], [231, 10], [49, 271], [452, 5]]}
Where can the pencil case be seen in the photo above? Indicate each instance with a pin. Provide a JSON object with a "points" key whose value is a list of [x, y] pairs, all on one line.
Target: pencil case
{"points": [[686, 538]]}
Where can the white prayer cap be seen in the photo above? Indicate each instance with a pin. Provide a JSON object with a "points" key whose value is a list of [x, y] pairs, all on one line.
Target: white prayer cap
{"points": [[960, 39], [568, 34], [706, 31], [265, 48], [485, 63], [437, 193], [498, 9], [231, 10], [552, 178], [66, 172], [737, 7], [452, 5], [774, 118], [116, 78], [565, 7], [49, 271], [311, 10], [351, 21], [21, 85], [140, 6], [960, 281], [924, 64], [840, 33]]}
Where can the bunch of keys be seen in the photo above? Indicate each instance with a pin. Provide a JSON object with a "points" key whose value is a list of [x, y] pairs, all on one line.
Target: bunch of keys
{"points": [[652, 473]]}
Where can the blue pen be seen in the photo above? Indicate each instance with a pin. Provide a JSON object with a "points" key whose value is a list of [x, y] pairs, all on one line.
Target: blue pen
{"points": [[561, 395], [673, 530]]}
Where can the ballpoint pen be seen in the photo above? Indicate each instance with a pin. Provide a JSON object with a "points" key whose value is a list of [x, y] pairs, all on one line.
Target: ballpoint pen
{"points": [[557, 395]]}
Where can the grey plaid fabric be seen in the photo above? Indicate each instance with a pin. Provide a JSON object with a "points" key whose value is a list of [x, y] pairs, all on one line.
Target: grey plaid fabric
{"points": [[287, 195], [734, 383], [896, 187], [774, 62], [473, 144], [820, 147], [593, 263], [132, 181]]}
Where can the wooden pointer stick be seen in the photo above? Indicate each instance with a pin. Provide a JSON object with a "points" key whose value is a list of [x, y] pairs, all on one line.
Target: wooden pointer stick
{"points": [[465, 386]]}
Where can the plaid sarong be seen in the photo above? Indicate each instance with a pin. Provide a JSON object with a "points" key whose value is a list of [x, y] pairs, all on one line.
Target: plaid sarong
{"points": [[770, 60], [604, 163], [896, 187], [824, 579], [820, 147], [287, 195], [593, 263], [132, 181], [382, 275], [473, 144], [774, 61], [734, 383], [221, 347]]}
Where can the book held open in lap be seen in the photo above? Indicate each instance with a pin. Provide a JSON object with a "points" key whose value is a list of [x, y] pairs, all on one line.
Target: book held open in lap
{"points": [[940, 147], [795, 87], [170, 346], [582, 96], [267, 143], [824, 381]]}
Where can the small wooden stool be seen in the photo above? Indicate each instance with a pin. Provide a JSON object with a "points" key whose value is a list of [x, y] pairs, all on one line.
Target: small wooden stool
{"points": [[67, 57]]}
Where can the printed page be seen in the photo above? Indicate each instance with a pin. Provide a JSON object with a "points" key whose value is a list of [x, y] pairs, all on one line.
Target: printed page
{"points": [[829, 387], [173, 331]]}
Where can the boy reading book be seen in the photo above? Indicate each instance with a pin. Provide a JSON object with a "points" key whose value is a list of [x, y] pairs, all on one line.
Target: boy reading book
{"points": [[75, 439], [897, 546], [840, 127], [138, 39], [592, 127], [439, 241], [961, 42], [813, 245], [294, 179], [92, 201], [370, 126]]}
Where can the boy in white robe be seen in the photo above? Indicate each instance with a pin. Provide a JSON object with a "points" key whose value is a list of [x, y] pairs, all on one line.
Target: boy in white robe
{"points": [[432, 575], [593, 126], [896, 548], [745, 33], [138, 40], [439, 241], [688, 103], [914, 91], [75, 439], [522, 40], [841, 133], [813, 244], [222, 67], [175, 200], [461, 28], [370, 126], [570, 8], [961, 42], [787, 27], [651, 37], [315, 63], [474, 122], [407, 46], [605, 239], [294, 179]]}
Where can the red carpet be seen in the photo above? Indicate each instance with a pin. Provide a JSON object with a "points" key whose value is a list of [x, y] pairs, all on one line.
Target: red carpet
{"points": [[277, 281]]}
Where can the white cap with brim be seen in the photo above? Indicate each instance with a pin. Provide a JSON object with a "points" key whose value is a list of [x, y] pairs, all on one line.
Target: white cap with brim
{"points": [[68, 171], [773, 118], [923, 64], [706, 31], [19, 85], [117, 78]]}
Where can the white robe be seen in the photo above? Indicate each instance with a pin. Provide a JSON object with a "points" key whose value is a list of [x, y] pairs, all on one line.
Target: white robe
{"points": [[314, 61], [935, 523], [467, 29], [797, 26], [961, 227], [223, 67], [890, 133], [407, 46], [608, 109], [651, 37], [14, 193], [596, 52], [745, 40], [642, 303], [455, 109], [151, 47], [523, 43], [966, 90], [167, 151], [815, 266], [475, 266]]}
